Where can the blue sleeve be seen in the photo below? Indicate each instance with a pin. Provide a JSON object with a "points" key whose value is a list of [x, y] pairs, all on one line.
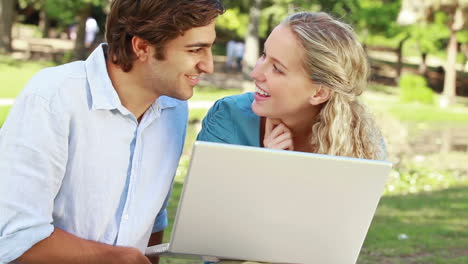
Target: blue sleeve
{"points": [[161, 221], [217, 125], [33, 157]]}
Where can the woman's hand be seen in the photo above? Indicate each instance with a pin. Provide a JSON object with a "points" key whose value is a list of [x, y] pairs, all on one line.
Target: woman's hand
{"points": [[277, 135]]}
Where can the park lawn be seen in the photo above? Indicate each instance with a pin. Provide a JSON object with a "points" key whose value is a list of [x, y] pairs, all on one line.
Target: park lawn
{"points": [[433, 222], [212, 93], [14, 74], [4, 113]]}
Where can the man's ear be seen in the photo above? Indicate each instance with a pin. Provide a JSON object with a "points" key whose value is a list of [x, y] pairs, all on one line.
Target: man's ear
{"points": [[141, 48], [321, 95]]}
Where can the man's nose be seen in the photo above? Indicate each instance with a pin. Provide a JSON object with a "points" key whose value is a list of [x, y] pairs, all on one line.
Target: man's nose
{"points": [[206, 64]]}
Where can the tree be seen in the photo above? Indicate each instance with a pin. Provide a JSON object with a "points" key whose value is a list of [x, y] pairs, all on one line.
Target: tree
{"points": [[69, 12], [420, 11], [7, 10], [252, 42]]}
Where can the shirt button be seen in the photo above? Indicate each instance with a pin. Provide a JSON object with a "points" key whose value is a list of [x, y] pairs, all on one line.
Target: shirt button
{"points": [[125, 217]]}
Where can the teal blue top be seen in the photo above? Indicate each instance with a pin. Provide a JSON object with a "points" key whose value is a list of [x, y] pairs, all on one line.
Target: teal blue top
{"points": [[232, 121]]}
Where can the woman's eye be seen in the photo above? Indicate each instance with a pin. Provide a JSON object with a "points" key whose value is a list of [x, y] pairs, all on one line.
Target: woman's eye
{"points": [[275, 69]]}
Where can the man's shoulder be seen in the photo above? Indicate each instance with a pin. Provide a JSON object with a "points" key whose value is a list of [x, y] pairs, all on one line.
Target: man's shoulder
{"points": [[49, 81]]}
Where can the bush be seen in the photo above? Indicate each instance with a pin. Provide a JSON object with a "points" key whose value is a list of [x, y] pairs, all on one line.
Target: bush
{"points": [[414, 89]]}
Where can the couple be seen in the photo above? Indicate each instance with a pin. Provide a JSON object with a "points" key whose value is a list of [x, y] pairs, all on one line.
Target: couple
{"points": [[89, 150]]}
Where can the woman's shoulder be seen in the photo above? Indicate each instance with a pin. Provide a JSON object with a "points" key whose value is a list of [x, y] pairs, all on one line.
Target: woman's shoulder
{"points": [[236, 102], [230, 120]]}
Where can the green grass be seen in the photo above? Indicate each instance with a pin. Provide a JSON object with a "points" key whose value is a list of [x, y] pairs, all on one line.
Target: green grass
{"points": [[14, 74], [387, 99], [427, 113], [211, 93], [434, 223], [4, 113]]}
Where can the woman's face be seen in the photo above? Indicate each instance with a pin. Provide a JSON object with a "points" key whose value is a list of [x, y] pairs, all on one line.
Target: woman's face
{"points": [[282, 87]]}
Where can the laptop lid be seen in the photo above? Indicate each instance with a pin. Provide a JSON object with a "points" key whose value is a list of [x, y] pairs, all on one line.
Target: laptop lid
{"points": [[277, 206]]}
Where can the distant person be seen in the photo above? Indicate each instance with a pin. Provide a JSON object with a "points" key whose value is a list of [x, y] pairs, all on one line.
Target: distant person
{"points": [[89, 151], [238, 54], [230, 58], [92, 29], [308, 82], [72, 31]]}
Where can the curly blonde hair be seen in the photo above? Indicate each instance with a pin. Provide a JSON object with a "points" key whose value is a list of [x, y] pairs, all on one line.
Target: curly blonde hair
{"points": [[336, 60]]}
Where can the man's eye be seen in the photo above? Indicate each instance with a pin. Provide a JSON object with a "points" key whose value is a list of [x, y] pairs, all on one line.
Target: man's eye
{"points": [[195, 50]]}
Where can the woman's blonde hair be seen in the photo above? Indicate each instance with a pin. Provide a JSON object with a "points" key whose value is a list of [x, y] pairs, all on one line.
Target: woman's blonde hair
{"points": [[335, 59]]}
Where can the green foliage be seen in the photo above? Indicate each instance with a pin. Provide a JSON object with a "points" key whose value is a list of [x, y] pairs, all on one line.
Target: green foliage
{"points": [[377, 18], [430, 37], [235, 21], [414, 89], [462, 36]]}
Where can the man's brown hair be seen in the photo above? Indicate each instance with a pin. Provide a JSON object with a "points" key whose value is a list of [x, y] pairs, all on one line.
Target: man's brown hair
{"points": [[156, 21]]}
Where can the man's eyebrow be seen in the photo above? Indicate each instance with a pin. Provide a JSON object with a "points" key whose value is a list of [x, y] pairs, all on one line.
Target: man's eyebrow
{"points": [[199, 45]]}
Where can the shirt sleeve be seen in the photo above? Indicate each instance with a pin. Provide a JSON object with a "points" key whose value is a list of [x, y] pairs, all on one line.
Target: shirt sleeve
{"points": [[217, 124], [161, 221], [33, 155]]}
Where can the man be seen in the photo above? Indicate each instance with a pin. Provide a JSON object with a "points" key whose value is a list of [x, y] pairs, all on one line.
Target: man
{"points": [[89, 151]]}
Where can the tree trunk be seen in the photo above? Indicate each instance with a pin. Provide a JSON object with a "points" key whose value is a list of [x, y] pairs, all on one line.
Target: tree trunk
{"points": [[423, 65], [80, 48], [7, 10], [450, 80], [251, 45], [44, 23], [399, 65], [448, 95]]}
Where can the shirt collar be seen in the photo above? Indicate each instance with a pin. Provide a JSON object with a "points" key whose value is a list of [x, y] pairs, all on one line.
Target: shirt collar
{"points": [[103, 93]]}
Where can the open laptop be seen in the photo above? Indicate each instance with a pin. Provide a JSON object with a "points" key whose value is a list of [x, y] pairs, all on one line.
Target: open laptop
{"points": [[248, 203]]}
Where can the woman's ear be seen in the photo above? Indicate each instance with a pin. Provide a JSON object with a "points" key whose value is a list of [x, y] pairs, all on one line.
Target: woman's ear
{"points": [[321, 95], [141, 48]]}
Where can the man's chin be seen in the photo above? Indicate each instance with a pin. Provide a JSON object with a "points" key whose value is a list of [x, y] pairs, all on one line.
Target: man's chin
{"points": [[184, 96]]}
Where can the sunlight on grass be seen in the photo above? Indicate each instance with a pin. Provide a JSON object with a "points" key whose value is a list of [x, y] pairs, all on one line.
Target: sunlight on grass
{"points": [[432, 228], [212, 93], [14, 74], [4, 110]]}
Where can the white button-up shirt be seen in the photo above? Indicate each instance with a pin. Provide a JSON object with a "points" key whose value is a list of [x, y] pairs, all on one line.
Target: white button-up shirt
{"points": [[72, 156]]}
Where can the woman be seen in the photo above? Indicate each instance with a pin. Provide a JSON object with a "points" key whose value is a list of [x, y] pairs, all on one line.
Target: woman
{"points": [[307, 80]]}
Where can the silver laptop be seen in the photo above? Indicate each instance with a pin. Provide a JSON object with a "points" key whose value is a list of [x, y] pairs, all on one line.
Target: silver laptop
{"points": [[247, 203]]}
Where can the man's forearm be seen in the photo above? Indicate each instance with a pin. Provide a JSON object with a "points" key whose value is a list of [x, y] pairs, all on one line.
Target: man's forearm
{"points": [[64, 248], [155, 239]]}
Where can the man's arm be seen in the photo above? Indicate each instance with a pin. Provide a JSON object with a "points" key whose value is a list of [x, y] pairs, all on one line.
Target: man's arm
{"points": [[155, 239], [64, 248]]}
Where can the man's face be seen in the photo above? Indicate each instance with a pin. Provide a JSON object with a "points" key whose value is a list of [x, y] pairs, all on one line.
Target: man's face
{"points": [[186, 58]]}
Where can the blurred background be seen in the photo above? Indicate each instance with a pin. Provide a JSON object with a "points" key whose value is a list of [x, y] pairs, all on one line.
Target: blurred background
{"points": [[418, 93]]}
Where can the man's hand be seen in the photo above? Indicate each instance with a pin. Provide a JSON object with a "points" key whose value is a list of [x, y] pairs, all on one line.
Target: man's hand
{"points": [[132, 256], [64, 248], [277, 135]]}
